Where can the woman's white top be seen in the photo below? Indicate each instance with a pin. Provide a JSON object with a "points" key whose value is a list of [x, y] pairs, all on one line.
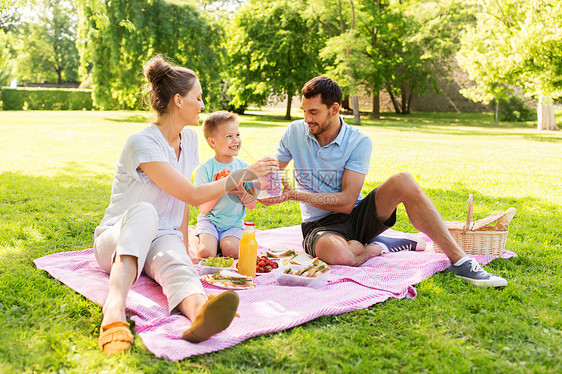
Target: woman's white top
{"points": [[131, 185]]}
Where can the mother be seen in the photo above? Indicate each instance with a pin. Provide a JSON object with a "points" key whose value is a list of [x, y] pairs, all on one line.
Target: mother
{"points": [[146, 220]]}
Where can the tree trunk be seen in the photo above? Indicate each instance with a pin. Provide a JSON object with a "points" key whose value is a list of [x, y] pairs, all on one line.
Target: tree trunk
{"points": [[356, 114], [59, 74], [342, 24], [376, 106], [404, 100], [345, 103], [409, 102], [394, 103], [352, 14], [496, 116], [289, 102], [545, 115]]}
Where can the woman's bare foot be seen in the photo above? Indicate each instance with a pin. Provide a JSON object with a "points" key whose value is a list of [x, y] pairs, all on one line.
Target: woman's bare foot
{"points": [[113, 311]]}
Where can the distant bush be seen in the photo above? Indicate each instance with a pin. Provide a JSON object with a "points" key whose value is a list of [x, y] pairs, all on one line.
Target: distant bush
{"points": [[46, 99], [12, 99], [514, 109], [224, 99]]}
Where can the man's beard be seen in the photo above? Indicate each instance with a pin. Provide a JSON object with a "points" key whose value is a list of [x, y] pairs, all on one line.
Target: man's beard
{"points": [[321, 128]]}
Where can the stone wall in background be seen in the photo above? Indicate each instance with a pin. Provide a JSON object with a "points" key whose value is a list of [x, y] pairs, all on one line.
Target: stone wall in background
{"points": [[449, 100]]}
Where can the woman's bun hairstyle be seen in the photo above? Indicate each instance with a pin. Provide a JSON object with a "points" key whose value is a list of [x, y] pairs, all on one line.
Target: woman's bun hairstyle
{"points": [[156, 69], [164, 81]]}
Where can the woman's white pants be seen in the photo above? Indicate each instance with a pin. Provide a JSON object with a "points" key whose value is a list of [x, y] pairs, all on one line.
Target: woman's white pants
{"points": [[162, 258]]}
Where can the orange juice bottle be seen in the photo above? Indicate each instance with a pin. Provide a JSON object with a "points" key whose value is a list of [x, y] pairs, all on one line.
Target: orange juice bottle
{"points": [[248, 251]]}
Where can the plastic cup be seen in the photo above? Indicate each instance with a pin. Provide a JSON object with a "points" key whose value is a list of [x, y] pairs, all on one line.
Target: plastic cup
{"points": [[270, 185]]}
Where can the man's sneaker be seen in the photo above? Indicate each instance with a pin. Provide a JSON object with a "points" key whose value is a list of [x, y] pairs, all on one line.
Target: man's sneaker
{"points": [[398, 244], [472, 272]]}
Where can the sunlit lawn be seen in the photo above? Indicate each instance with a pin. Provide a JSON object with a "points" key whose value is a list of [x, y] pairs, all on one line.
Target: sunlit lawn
{"points": [[56, 170]]}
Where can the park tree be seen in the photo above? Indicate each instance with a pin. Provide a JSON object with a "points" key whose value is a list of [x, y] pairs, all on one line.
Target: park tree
{"points": [[400, 46], [10, 16], [118, 36], [221, 6], [431, 35], [46, 48], [272, 51], [393, 61], [342, 51], [6, 64], [378, 49], [518, 44], [409, 44]]}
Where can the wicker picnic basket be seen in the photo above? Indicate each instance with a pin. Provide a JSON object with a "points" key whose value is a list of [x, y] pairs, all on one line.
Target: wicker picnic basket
{"points": [[482, 237]]}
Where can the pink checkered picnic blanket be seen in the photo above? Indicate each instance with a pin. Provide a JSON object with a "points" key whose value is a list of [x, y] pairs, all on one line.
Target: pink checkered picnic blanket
{"points": [[264, 309]]}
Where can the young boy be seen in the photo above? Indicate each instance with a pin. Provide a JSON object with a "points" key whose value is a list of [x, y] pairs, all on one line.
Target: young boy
{"points": [[220, 222]]}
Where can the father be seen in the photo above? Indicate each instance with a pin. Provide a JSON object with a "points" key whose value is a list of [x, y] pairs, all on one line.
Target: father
{"points": [[339, 226]]}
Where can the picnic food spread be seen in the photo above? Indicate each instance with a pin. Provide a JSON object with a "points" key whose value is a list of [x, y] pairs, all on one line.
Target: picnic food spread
{"points": [[212, 265], [310, 271], [290, 269], [314, 275], [265, 264], [218, 261], [301, 259], [278, 253], [229, 279]]}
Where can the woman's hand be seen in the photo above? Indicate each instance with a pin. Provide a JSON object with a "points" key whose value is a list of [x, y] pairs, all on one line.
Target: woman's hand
{"points": [[258, 169]]}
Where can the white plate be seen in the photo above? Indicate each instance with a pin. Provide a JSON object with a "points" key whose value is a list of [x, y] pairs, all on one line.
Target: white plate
{"points": [[204, 270]]}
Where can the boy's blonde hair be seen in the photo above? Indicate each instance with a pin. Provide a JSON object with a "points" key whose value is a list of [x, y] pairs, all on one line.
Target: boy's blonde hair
{"points": [[215, 119]]}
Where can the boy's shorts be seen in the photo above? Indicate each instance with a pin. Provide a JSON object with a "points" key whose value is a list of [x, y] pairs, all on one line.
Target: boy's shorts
{"points": [[361, 225], [204, 226]]}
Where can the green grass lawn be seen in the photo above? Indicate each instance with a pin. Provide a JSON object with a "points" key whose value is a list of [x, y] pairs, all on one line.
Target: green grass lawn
{"points": [[56, 170]]}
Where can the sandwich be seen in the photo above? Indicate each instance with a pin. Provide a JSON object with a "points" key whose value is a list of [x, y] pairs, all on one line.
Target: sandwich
{"points": [[229, 278], [278, 253], [309, 271]]}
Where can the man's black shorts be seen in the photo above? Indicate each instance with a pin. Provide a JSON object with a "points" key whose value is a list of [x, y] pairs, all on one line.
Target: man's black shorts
{"points": [[361, 224]]}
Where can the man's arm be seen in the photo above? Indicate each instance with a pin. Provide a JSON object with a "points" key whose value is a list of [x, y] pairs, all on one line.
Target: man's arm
{"points": [[341, 202]]}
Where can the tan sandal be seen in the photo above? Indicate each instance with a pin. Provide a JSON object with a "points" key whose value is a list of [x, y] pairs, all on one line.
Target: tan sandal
{"points": [[115, 338], [215, 316]]}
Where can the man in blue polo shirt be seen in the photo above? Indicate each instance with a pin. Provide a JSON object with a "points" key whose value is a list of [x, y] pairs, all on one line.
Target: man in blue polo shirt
{"points": [[331, 160]]}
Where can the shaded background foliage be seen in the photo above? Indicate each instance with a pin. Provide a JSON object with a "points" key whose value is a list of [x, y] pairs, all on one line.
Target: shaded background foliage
{"points": [[254, 51], [135, 31], [272, 50]]}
